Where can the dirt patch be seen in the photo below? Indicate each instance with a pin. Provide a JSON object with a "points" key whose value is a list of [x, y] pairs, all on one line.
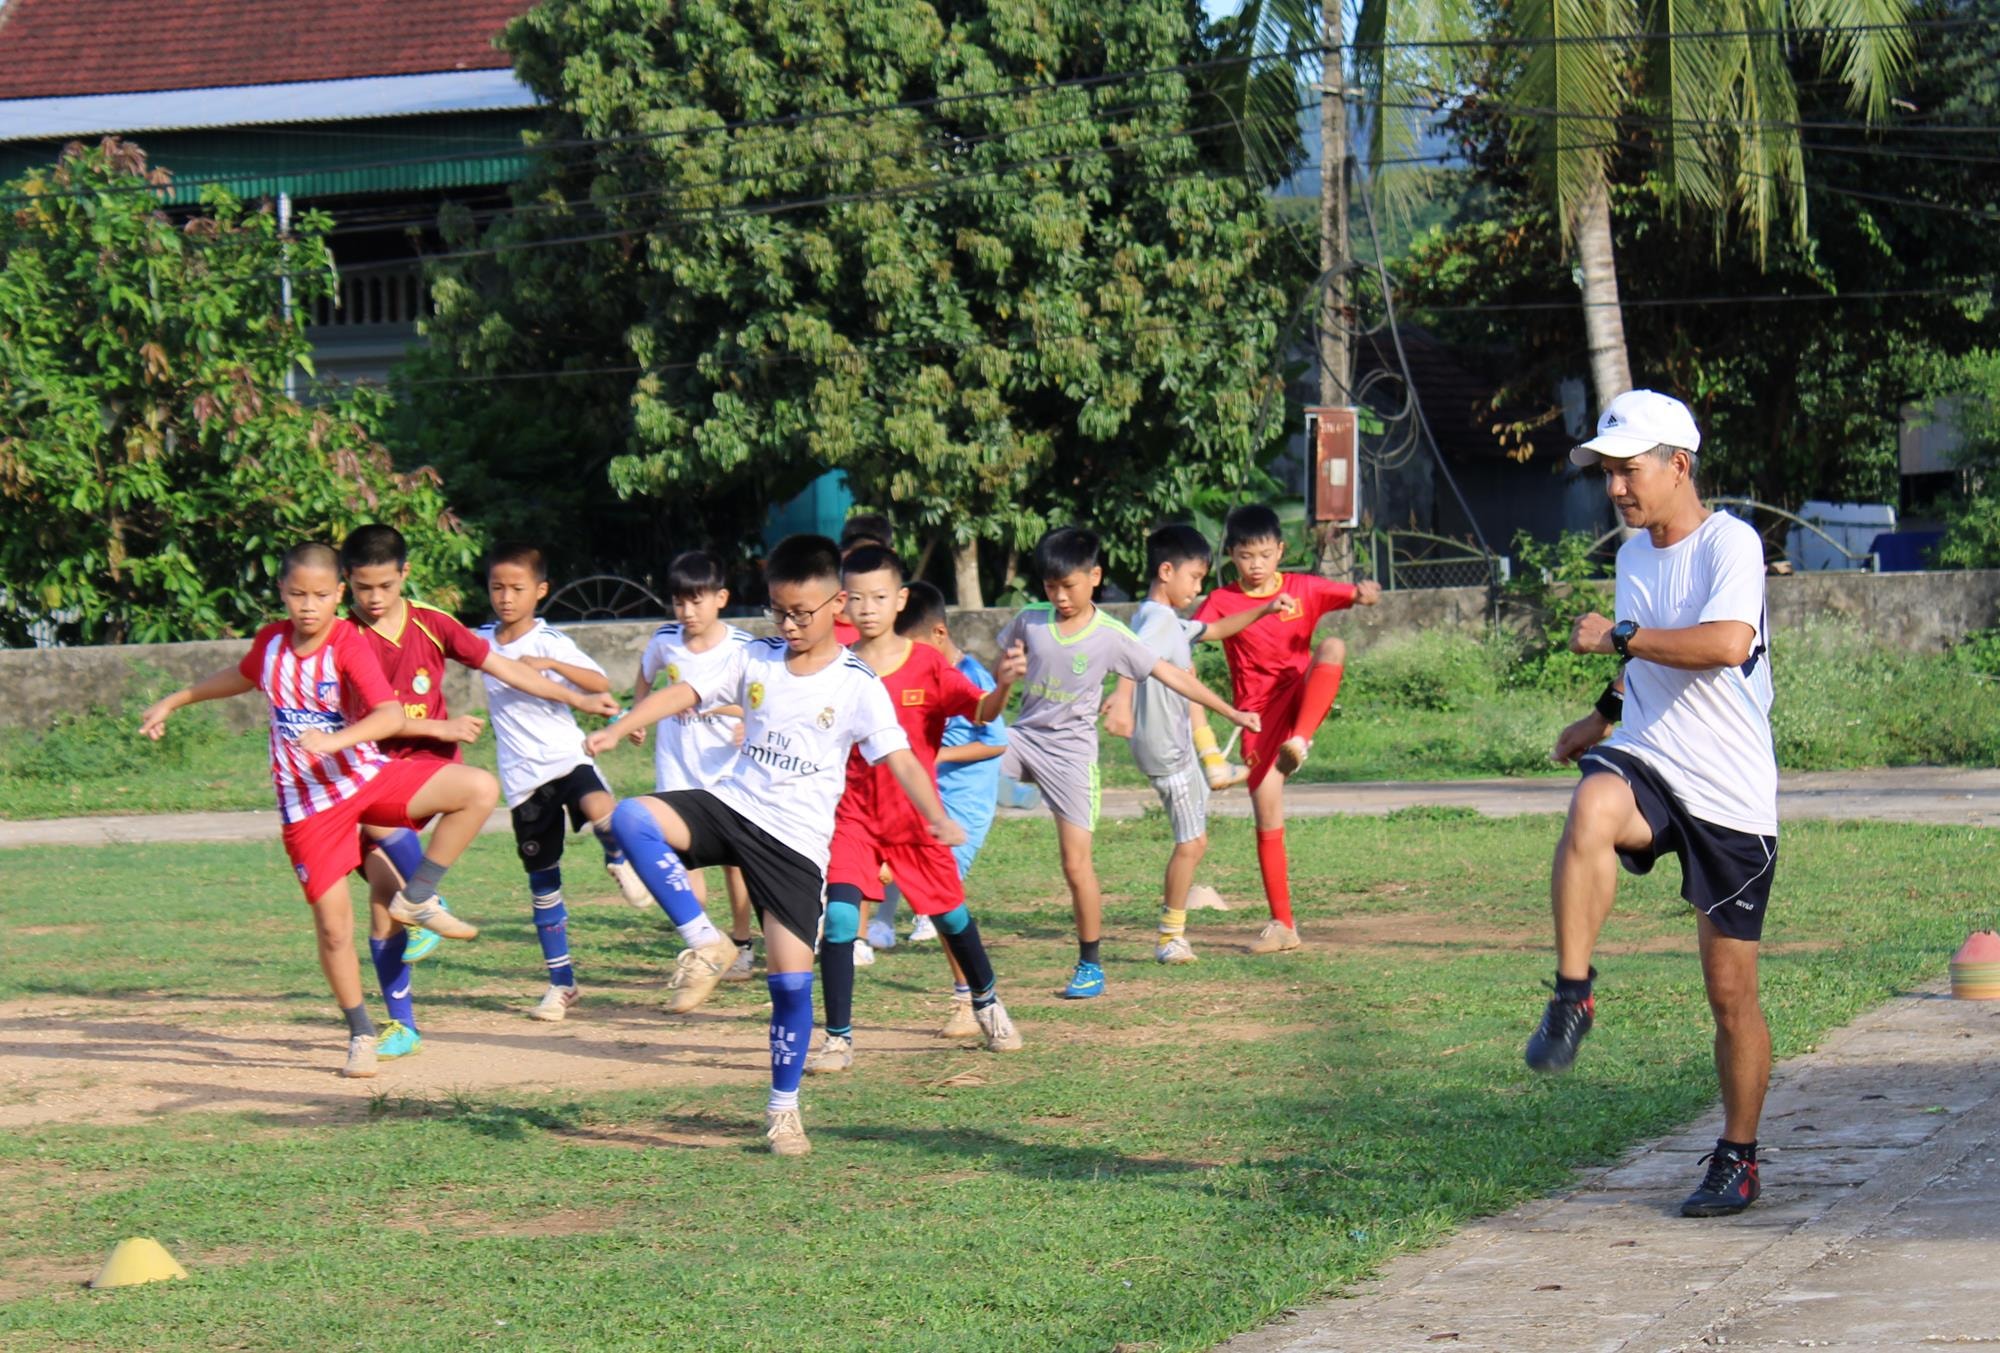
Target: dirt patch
{"points": [[565, 1221]]}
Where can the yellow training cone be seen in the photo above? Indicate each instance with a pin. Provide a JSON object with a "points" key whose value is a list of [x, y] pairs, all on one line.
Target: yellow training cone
{"points": [[139, 1259]]}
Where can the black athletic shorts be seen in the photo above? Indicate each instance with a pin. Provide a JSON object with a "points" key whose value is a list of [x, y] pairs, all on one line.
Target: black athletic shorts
{"points": [[781, 882], [538, 821], [1725, 874]]}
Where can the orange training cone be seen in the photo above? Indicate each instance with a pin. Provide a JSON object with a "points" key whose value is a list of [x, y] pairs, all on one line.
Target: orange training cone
{"points": [[1975, 968], [139, 1259]]}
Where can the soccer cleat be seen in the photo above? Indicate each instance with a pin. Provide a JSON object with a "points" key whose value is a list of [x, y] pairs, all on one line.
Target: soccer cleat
{"points": [[360, 1057], [421, 944], [1001, 1035], [922, 930], [1087, 981], [1174, 949], [554, 1006], [431, 915], [397, 1039], [1275, 938], [961, 1023], [739, 968], [696, 972], [786, 1133], [1292, 755], [630, 884], [881, 935], [864, 954], [1552, 1047], [1228, 775], [1729, 1186], [835, 1054]]}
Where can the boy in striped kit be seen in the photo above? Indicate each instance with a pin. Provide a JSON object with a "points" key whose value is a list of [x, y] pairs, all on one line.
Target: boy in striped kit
{"points": [[330, 704]]}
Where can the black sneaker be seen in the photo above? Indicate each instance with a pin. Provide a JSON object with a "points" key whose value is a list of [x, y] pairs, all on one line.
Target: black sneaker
{"points": [[1729, 1186], [1553, 1046]]}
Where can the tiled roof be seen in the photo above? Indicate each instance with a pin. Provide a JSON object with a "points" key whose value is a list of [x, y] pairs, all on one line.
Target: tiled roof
{"points": [[66, 47]]}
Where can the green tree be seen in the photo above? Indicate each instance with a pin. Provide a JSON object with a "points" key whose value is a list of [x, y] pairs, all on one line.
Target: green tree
{"points": [[1034, 295], [151, 469]]}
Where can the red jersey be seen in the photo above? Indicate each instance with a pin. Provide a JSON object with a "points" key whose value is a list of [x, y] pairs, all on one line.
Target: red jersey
{"points": [[413, 660], [926, 690], [844, 632], [1278, 648], [335, 685]]}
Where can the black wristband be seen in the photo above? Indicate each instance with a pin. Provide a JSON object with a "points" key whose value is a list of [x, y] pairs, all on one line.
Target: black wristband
{"points": [[1611, 704]]}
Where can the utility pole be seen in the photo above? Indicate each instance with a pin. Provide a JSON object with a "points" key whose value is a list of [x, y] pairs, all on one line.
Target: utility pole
{"points": [[1336, 379]]}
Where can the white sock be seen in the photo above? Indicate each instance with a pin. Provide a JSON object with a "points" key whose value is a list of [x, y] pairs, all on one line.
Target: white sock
{"points": [[782, 1100], [700, 931]]}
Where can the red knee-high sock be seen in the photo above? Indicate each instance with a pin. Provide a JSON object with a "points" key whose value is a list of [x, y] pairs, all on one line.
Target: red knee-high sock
{"points": [[1277, 878], [1322, 685]]}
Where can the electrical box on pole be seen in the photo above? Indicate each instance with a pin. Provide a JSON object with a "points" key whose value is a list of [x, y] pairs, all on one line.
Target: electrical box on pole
{"points": [[1333, 496]]}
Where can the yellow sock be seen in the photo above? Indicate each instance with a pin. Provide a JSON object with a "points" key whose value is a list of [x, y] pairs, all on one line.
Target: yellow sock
{"points": [[1213, 762], [1172, 922]]}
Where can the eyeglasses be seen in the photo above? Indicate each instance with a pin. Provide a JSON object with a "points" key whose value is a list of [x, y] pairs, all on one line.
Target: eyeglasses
{"points": [[798, 620]]}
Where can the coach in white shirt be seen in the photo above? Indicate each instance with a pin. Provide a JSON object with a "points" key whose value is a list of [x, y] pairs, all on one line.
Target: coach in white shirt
{"points": [[1676, 760]]}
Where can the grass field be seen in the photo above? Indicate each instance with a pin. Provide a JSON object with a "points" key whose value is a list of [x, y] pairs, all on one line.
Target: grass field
{"points": [[1161, 1168]]}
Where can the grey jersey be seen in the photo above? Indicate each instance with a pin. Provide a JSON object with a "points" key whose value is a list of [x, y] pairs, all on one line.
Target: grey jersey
{"points": [[1064, 686], [1162, 738]]}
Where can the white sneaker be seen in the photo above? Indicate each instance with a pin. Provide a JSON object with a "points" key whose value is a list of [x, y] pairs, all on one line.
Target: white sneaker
{"points": [[881, 935], [630, 884], [360, 1057], [1001, 1035], [432, 916], [786, 1134], [960, 1023], [739, 971], [835, 1054], [554, 1006], [922, 930], [864, 954], [1175, 950]]}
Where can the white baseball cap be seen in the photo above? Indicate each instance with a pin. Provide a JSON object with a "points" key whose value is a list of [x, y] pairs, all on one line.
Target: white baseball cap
{"points": [[1636, 422]]}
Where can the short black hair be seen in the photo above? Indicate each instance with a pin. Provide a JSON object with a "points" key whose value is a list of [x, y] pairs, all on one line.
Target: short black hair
{"points": [[866, 528], [1067, 550], [803, 559], [520, 552], [873, 559], [923, 612], [309, 554], [1175, 544], [694, 572], [367, 546], [1249, 524]]}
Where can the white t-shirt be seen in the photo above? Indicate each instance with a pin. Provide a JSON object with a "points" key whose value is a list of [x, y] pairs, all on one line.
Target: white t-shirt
{"points": [[1708, 734], [695, 749], [797, 731], [536, 740]]}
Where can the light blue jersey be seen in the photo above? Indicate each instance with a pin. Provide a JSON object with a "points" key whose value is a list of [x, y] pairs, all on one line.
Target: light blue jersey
{"points": [[970, 793]]}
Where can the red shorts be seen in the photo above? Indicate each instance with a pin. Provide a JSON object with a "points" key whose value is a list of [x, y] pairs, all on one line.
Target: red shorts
{"points": [[926, 871], [326, 846], [1278, 713], [368, 839]]}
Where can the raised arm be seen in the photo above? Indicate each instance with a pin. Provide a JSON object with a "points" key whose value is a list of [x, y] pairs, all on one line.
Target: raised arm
{"points": [[970, 753], [1697, 648], [663, 703], [592, 697], [1013, 666], [460, 728], [917, 783], [219, 686], [586, 679], [385, 720], [1215, 631], [1183, 682]]}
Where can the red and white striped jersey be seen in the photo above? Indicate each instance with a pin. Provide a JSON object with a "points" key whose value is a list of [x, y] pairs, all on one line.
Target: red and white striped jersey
{"points": [[336, 684]]}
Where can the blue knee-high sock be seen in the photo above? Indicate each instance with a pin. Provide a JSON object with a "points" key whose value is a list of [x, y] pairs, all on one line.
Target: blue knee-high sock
{"points": [[552, 924], [836, 957], [405, 850], [791, 1034], [961, 937], [394, 975], [606, 838], [638, 833]]}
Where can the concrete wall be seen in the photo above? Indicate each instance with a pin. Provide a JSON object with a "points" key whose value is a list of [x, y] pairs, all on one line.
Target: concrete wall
{"points": [[1916, 612]]}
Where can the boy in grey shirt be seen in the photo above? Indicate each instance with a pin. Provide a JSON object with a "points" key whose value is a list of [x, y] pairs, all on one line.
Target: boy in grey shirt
{"points": [[1070, 647], [1160, 723]]}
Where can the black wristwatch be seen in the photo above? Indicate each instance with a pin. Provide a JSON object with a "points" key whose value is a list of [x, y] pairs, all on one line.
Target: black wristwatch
{"points": [[1621, 636]]}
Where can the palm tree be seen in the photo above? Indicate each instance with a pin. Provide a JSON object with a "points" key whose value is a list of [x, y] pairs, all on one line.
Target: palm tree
{"points": [[1711, 81]]}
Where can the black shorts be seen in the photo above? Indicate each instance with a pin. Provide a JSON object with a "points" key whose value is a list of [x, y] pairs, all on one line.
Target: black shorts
{"points": [[1725, 874], [538, 821], [781, 882]]}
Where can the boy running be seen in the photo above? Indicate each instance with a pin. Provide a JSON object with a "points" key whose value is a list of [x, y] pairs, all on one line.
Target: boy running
{"points": [[1275, 670], [693, 750], [1163, 727], [1067, 649], [329, 704], [412, 644], [875, 828], [807, 703], [544, 771]]}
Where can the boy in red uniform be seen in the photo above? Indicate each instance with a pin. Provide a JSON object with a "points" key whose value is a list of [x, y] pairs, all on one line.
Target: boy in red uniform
{"points": [[876, 825], [329, 705], [412, 644], [1278, 672]]}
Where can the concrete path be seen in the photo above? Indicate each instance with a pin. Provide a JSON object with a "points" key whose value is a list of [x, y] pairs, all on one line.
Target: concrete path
{"points": [[1879, 1226], [1906, 794]]}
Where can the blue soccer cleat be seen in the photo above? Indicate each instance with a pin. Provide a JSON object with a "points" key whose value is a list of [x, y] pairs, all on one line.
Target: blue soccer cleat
{"points": [[1085, 982], [421, 944], [397, 1039]]}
